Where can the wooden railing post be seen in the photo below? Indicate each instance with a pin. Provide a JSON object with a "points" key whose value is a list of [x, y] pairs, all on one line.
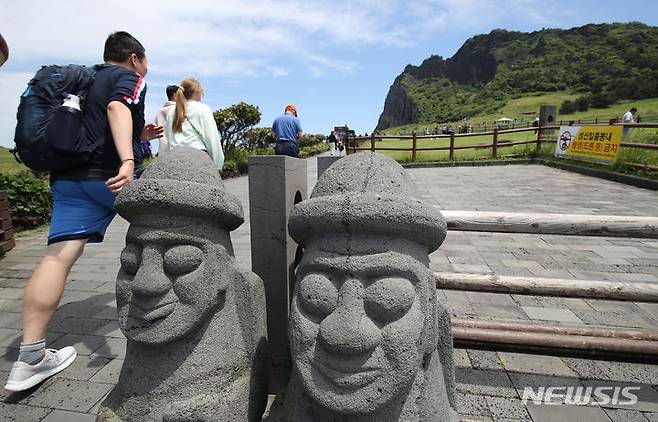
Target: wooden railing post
{"points": [[539, 128], [372, 142], [452, 146], [495, 143], [413, 150]]}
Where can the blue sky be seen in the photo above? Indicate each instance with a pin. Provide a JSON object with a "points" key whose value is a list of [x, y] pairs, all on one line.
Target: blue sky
{"points": [[334, 59]]}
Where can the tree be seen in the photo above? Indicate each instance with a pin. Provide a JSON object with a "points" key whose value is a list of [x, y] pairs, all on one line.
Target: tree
{"points": [[234, 122], [259, 137]]}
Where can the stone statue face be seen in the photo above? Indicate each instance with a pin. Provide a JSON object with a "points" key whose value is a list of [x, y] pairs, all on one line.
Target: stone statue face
{"points": [[171, 280], [357, 326]]}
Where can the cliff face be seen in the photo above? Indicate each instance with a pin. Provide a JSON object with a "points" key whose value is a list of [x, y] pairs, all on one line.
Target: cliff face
{"points": [[469, 67], [610, 61], [398, 108], [474, 63]]}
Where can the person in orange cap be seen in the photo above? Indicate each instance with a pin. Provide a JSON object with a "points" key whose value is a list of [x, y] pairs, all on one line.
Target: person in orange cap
{"points": [[287, 129]]}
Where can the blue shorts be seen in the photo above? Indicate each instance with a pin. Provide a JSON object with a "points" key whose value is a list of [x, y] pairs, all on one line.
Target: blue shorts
{"points": [[81, 210]]}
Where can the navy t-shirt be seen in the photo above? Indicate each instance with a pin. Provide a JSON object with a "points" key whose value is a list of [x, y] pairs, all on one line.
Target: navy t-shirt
{"points": [[112, 83]]}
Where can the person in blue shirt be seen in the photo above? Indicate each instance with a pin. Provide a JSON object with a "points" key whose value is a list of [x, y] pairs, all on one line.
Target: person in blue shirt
{"points": [[287, 129]]}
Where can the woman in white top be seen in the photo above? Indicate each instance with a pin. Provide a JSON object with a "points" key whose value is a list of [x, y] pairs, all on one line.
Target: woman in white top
{"points": [[192, 124]]}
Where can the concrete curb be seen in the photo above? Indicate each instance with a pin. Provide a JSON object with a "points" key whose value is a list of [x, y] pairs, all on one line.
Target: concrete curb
{"points": [[628, 179], [468, 163]]}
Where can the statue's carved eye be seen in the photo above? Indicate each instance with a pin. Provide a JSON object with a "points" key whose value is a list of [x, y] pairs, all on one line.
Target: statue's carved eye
{"points": [[131, 258], [182, 259], [318, 295], [389, 299]]}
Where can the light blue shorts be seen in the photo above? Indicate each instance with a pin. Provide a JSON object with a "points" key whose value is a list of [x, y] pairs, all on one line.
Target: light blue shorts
{"points": [[81, 210]]}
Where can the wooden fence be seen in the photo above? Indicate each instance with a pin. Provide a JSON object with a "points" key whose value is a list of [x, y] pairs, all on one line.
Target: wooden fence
{"points": [[540, 135]]}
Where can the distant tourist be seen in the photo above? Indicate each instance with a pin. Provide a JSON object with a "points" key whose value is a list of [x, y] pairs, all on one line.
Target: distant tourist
{"points": [[161, 116], [287, 129], [332, 142], [191, 123], [628, 119]]}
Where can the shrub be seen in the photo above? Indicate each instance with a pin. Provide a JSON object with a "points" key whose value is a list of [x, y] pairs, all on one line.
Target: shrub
{"points": [[29, 199], [229, 170], [602, 100], [313, 150], [567, 107], [582, 103], [308, 140]]}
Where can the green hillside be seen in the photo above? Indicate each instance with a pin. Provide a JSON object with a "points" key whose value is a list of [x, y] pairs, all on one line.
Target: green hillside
{"points": [[601, 64]]}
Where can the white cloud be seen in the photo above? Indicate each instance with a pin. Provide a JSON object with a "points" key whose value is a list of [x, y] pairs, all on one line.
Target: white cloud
{"points": [[228, 39], [180, 36], [232, 36]]}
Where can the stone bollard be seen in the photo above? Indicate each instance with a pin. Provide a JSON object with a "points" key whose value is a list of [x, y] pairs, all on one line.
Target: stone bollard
{"points": [[369, 341], [195, 323], [276, 184]]}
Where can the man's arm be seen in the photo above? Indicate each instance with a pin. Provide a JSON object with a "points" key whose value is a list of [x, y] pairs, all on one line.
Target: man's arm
{"points": [[300, 132], [121, 126]]}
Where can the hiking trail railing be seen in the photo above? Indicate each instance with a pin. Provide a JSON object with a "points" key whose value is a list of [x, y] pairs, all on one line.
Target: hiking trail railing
{"points": [[541, 135]]}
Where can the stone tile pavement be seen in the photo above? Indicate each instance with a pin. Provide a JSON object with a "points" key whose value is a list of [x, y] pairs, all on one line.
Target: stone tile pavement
{"points": [[490, 383]]}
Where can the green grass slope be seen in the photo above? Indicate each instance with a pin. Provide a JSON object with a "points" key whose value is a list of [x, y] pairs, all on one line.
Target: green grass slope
{"points": [[526, 108]]}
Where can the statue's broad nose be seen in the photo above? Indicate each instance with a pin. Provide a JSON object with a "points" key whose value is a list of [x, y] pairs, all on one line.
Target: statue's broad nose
{"points": [[348, 330], [150, 279]]}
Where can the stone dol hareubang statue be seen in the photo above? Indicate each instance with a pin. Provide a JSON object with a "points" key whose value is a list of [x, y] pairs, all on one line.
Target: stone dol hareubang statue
{"points": [[369, 341], [195, 323]]}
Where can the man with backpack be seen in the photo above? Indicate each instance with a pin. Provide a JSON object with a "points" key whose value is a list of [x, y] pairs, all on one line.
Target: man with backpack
{"points": [[83, 199]]}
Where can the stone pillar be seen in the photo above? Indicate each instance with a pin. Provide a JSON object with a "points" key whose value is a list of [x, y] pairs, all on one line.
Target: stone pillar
{"points": [[276, 184], [547, 115], [325, 162]]}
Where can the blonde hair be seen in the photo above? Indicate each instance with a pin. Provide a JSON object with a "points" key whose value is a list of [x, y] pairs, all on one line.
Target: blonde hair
{"points": [[187, 90]]}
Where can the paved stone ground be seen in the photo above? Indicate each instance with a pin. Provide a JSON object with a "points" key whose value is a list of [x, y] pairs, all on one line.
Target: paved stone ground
{"points": [[490, 383]]}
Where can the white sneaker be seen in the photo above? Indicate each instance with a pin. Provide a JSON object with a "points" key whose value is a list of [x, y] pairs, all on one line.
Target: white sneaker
{"points": [[24, 376]]}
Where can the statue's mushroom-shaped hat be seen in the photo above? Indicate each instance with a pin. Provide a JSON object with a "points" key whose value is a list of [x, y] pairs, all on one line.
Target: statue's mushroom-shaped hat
{"points": [[367, 193], [182, 182]]}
